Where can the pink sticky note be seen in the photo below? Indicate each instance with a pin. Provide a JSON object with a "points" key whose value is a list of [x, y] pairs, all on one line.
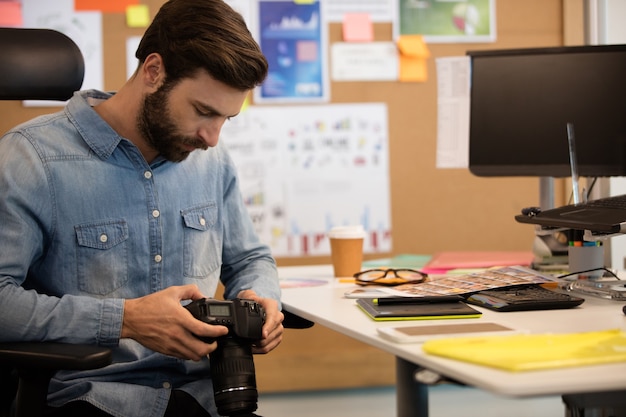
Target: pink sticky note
{"points": [[10, 13], [357, 27]]}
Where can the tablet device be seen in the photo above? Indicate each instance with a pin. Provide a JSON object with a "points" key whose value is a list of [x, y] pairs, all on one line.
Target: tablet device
{"points": [[417, 311], [417, 334]]}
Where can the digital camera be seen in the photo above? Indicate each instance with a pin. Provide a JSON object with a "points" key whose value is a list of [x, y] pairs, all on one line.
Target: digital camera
{"points": [[232, 366]]}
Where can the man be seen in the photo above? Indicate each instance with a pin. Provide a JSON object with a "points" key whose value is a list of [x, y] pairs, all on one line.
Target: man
{"points": [[119, 208]]}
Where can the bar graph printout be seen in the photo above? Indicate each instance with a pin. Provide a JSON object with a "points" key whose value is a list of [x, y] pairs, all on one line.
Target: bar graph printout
{"points": [[304, 169]]}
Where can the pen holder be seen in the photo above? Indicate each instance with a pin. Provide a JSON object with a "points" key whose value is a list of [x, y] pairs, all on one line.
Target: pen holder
{"points": [[586, 258]]}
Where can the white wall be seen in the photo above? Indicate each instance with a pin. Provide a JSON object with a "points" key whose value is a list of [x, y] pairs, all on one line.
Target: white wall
{"points": [[615, 28]]}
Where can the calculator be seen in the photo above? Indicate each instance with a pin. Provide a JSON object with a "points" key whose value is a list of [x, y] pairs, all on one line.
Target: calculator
{"points": [[523, 298]]}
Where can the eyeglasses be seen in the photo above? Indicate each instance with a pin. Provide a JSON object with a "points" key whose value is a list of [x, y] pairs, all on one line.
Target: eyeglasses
{"points": [[381, 276]]}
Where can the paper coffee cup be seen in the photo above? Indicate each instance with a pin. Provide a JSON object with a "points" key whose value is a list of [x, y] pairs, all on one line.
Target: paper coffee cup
{"points": [[346, 249]]}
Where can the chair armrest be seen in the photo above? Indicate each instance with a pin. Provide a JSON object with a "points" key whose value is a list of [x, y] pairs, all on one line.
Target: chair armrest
{"points": [[53, 356], [292, 321], [34, 363]]}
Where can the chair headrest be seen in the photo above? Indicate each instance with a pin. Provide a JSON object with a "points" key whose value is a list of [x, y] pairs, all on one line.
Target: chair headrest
{"points": [[39, 64]]}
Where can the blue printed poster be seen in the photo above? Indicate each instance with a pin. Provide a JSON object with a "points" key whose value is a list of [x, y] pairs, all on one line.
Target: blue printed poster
{"points": [[292, 37]]}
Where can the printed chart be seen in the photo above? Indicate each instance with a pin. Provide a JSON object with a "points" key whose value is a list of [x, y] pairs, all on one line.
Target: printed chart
{"points": [[306, 169]]}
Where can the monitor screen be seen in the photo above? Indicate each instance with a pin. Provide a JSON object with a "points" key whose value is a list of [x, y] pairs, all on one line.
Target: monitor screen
{"points": [[521, 101]]}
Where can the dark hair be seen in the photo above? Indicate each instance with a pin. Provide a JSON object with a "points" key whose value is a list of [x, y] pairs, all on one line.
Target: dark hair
{"points": [[204, 34]]}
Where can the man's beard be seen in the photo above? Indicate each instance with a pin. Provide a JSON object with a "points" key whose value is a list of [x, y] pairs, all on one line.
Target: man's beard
{"points": [[159, 130]]}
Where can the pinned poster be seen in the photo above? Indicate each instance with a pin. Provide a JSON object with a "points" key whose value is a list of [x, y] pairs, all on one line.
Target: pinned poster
{"points": [[447, 21], [293, 38], [84, 28], [413, 57], [306, 169], [357, 27]]}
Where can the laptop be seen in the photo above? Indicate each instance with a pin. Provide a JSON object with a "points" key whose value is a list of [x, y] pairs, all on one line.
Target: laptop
{"points": [[601, 216]]}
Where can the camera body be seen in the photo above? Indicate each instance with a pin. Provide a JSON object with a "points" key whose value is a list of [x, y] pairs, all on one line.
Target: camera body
{"points": [[244, 318], [232, 366]]}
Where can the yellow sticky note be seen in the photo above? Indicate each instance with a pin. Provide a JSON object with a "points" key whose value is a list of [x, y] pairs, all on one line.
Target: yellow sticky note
{"points": [[413, 58], [137, 16], [304, 1], [245, 105], [357, 27]]}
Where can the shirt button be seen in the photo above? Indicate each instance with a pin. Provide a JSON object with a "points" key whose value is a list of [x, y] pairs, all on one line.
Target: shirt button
{"points": [[147, 175], [202, 221], [158, 258], [155, 213], [167, 385], [103, 238]]}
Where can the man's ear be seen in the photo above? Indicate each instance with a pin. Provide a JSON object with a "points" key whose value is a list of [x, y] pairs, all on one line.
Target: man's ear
{"points": [[153, 71]]}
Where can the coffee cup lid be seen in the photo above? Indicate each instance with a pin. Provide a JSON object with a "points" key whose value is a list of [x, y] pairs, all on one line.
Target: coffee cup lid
{"points": [[347, 232]]}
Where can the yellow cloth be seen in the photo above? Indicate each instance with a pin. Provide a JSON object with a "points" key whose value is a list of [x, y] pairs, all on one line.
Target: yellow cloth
{"points": [[527, 352]]}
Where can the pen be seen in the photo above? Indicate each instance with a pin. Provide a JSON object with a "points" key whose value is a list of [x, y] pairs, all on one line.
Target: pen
{"points": [[435, 299], [575, 237]]}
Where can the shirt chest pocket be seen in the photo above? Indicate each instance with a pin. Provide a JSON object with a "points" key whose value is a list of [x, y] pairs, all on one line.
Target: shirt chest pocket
{"points": [[202, 241], [102, 256]]}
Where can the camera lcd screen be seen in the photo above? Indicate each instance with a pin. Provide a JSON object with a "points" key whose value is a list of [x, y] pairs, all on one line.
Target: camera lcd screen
{"points": [[222, 310]]}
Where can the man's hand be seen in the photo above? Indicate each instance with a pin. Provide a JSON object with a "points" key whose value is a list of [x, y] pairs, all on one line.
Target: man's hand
{"points": [[159, 322], [273, 327]]}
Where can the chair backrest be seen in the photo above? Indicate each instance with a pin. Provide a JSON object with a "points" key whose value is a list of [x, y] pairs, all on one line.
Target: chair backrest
{"points": [[38, 64]]}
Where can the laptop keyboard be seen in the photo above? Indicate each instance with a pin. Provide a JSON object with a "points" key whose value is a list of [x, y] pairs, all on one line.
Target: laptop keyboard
{"points": [[532, 297], [617, 202]]}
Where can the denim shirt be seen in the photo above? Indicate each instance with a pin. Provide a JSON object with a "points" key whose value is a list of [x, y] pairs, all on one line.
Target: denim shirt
{"points": [[86, 222]]}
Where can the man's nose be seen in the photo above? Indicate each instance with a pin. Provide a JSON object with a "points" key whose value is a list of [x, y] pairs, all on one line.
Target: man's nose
{"points": [[210, 132]]}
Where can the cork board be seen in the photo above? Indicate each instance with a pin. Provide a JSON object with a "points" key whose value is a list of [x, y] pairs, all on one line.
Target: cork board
{"points": [[431, 209]]}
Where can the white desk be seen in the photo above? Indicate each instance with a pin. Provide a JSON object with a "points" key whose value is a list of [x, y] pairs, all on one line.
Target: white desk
{"points": [[326, 306]]}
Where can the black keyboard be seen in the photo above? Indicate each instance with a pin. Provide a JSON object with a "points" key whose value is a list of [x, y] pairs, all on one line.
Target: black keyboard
{"points": [[616, 202], [533, 297]]}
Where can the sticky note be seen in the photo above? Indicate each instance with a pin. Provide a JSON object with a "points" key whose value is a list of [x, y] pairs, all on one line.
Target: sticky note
{"points": [[10, 13], [413, 58], [245, 105], [357, 27], [108, 6], [137, 16]]}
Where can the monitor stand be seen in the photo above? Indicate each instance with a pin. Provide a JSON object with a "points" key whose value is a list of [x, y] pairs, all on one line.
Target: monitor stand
{"points": [[549, 247], [546, 193]]}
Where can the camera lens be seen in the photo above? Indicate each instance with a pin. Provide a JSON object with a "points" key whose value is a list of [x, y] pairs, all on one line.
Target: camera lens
{"points": [[234, 381]]}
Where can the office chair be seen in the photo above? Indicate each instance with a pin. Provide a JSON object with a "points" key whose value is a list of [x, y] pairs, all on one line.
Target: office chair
{"points": [[39, 64]]}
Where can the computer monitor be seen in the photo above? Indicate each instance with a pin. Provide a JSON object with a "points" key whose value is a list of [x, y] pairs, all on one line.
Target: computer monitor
{"points": [[523, 99]]}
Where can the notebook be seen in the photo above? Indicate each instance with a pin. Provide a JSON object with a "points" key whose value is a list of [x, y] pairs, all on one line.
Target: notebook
{"points": [[605, 216], [528, 352], [428, 311]]}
